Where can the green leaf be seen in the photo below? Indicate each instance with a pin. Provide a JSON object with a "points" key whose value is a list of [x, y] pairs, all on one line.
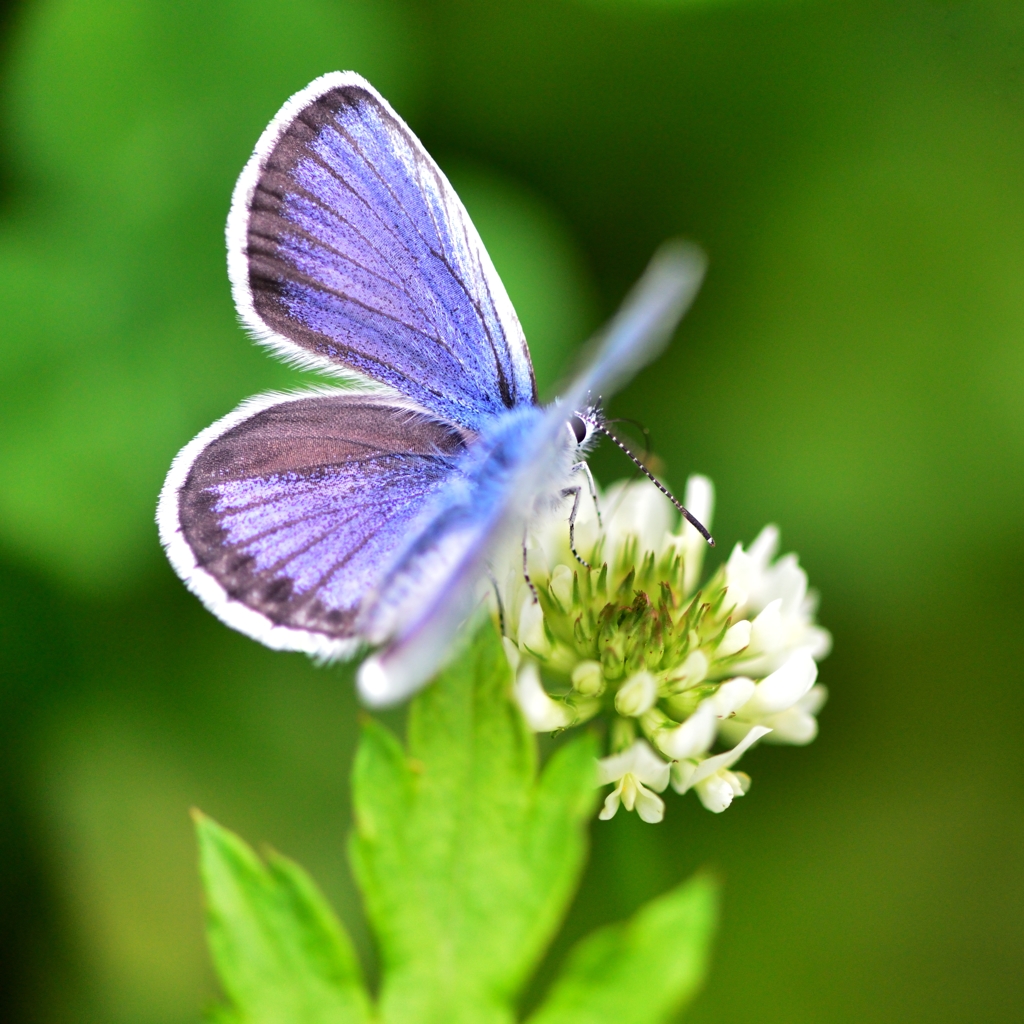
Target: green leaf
{"points": [[466, 859], [281, 954], [640, 972]]}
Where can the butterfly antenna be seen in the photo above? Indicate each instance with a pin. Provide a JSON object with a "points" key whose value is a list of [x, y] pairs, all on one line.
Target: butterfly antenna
{"points": [[643, 458], [692, 520], [639, 426]]}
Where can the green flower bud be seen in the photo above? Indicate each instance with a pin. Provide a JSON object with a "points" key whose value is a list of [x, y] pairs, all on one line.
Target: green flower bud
{"points": [[588, 679], [637, 696]]}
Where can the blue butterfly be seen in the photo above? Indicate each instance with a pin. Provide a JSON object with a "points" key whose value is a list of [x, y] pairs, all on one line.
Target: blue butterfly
{"points": [[338, 518]]}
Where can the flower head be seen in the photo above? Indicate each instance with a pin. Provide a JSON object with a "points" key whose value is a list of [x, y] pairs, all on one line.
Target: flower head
{"points": [[623, 632]]}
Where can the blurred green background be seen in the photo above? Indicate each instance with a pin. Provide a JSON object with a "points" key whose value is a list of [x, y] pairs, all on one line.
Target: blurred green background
{"points": [[853, 370]]}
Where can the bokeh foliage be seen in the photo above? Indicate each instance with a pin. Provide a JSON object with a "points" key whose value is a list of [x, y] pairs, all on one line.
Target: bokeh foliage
{"points": [[853, 370]]}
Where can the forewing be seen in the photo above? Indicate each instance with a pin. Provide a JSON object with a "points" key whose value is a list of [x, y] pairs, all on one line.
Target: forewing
{"points": [[642, 327], [348, 250], [283, 516]]}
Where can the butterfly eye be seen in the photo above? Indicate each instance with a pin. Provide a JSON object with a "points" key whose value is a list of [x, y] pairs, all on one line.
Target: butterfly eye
{"points": [[579, 429]]}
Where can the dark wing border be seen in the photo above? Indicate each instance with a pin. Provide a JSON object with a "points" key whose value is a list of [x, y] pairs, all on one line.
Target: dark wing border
{"points": [[237, 230]]}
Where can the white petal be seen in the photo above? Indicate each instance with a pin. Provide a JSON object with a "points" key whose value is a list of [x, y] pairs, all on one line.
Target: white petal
{"points": [[737, 636], [818, 641], [694, 670], [785, 579], [651, 808], [682, 773], [693, 737], [639, 760], [792, 726], [640, 510], [532, 636], [767, 631], [614, 766], [651, 514], [740, 782], [713, 764], [732, 695], [542, 713], [699, 499], [784, 687], [561, 586], [512, 593], [740, 575], [766, 543], [629, 790], [648, 767], [637, 695], [797, 725], [611, 803], [716, 792], [700, 502], [814, 700], [791, 584]]}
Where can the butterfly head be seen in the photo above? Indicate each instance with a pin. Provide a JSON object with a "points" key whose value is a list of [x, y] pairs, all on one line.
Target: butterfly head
{"points": [[584, 424]]}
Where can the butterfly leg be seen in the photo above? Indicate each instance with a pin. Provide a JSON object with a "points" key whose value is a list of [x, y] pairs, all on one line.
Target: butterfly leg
{"points": [[583, 467], [575, 492], [526, 572], [501, 604]]}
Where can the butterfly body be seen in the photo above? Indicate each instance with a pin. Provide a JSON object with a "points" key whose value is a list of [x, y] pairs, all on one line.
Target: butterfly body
{"points": [[480, 489], [336, 518]]}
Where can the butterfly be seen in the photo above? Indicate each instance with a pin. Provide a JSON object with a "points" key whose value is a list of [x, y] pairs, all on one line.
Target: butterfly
{"points": [[366, 515]]}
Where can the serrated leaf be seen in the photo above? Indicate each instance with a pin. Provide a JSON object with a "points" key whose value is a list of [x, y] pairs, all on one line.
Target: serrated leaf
{"points": [[466, 859], [640, 972], [281, 954]]}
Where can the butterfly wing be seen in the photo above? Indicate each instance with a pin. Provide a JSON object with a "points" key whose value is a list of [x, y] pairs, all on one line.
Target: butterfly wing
{"points": [[434, 583], [283, 516], [642, 327], [348, 250], [535, 468], [316, 521]]}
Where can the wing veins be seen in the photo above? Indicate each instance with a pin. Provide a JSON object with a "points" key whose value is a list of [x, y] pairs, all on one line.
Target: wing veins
{"points": [[321, 162], [440, 254], [249, 506], [420, 163], [503, 387]]}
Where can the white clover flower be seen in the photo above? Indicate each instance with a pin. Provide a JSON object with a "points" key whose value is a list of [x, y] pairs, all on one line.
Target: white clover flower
{"points": [[715, 784], [775, 597], [628, 635], [542, 713], [785, 701], [634, 769], [696, 735], [796, 725]]}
